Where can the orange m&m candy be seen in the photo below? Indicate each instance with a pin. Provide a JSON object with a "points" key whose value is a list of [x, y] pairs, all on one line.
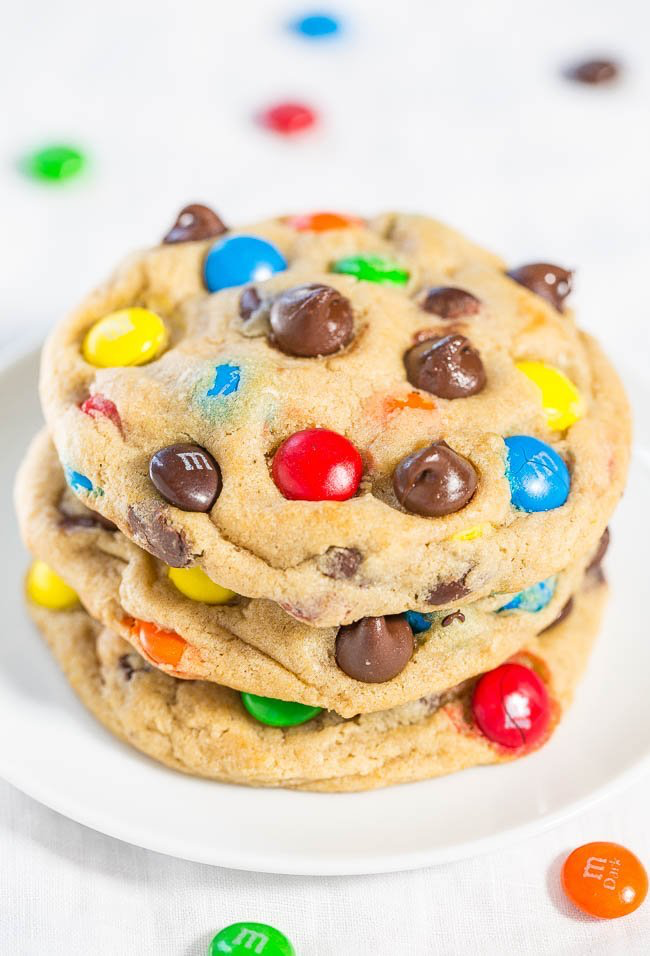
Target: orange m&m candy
{"points": [[604, 880], [323, 221], [163, 647]]}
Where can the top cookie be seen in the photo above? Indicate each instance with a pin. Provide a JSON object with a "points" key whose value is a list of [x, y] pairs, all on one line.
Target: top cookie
{"points": [[350, 421]]}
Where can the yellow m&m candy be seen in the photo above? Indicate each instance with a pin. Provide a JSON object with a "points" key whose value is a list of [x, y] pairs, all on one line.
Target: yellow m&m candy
{"points": [[46, 588], [469, 534], [127, 337], [561, 400], [195, 584]]}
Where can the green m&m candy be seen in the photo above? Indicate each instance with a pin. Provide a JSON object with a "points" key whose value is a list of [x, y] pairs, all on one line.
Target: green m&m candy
{"points": [[54, 163], [278, 713], [251, 938], [371, 268]]}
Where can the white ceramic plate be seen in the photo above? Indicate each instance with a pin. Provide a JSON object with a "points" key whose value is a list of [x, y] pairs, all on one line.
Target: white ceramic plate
{"points": [[51, 748]]}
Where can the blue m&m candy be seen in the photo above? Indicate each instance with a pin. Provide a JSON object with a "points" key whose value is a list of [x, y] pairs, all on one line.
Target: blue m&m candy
{"points": [[316, 26], [241, 259], [419, 623], [534, 598], [539, 479]]}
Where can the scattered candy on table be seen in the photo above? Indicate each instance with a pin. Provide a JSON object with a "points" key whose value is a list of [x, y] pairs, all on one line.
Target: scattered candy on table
{"points": [[533, 599], [163, 647], [278, 713], [594, 72], [561, 400], [371, 268], [46, 588], [195, 584], [316, 26], [511, 706], [248, 939], [186, 475], [323, 221], [317, 465], [288, 118], [604, 880], [127, 337], [539, 479], [55, 163], [241, 259]]}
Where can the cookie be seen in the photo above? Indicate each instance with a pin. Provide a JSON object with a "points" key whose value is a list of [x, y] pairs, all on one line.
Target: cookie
{"points": [[254, 645], [347, 422], [203, 729]]}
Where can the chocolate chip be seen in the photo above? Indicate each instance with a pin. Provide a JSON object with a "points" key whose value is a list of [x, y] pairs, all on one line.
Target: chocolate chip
{"points": [[594, 568], [74, 522], [249, 303], [435, 481], [374, 649], [150, 527], [447, 591], [340, 563], [454, 616], [449, 302], [132, 664], [552, 283], [187, 476], [311, 320], [594, 71], [195, 222], [562, 616], [449, 367]]}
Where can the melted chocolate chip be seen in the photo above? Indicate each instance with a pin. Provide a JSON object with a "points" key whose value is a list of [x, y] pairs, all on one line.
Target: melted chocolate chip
{"points": [[447, 591], [552, 283], [249, 303], [454, 616], [374, 649], [187, 476], [435, 481], [449, 302], [340, 563], [75, 522], [595, 566], [150, 527], [562, 616], [448, 367], [594, 72], [195, 222], [132, 664], [311, 320]]}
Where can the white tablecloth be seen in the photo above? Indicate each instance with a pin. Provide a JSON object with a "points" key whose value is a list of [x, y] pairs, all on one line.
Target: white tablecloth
{"points": [[455, 109]]}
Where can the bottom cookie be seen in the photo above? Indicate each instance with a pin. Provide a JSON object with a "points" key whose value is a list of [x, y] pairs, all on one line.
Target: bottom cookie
{"points": [[203, 729]]}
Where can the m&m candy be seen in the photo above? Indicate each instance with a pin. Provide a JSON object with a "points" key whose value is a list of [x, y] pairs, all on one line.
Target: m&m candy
{"points": [[539, 479], [55, 163], [196, 585], [533, 599], [127, 337], [241, 259], [475, 531], [419, 623], [247, 939], [288, 118], [46, 588], [511, 706], [316, 26], [604, 880], [317, 465], [561, 400], [163, 647], [371, 268], [278, 713], [322, 221], [98, 406]]}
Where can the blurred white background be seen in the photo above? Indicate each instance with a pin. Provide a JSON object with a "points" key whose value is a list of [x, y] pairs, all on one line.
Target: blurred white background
{"points": [[456, 109]]}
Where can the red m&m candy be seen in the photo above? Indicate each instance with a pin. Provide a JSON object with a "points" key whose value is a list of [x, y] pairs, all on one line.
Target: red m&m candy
{"points": [[511, 706], [99, 406], [288, 118], [317, 465]]}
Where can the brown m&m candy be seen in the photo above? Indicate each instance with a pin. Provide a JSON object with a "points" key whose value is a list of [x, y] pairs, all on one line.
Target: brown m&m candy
{"points": [[435, 481], [449, 302], [552, 283], [448, 367], [594, 72], [375, 649], [187, 476], [311, 320], [195, 222]]}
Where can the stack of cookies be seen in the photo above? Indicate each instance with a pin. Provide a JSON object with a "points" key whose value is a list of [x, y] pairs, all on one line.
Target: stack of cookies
{"points": [[322, 502]]}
